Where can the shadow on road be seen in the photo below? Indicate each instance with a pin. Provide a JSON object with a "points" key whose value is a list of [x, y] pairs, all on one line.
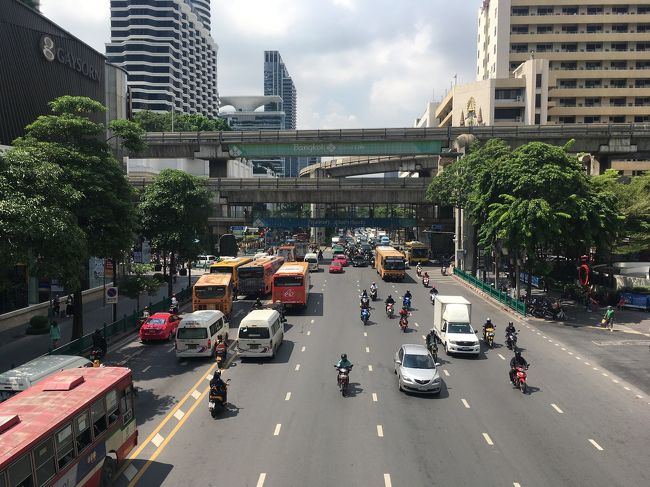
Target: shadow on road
{"points": [[354, 388], [282, 355]]}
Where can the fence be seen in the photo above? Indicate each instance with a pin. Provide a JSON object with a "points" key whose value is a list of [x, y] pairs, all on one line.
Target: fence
{"points": [[128, 323], [501, 296]]}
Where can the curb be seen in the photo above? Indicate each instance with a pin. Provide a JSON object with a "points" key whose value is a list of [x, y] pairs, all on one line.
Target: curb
{"points": [[490, 299]]}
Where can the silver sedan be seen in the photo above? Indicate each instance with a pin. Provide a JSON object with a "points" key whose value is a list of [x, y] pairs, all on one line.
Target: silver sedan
{"points": [[416, 371]]}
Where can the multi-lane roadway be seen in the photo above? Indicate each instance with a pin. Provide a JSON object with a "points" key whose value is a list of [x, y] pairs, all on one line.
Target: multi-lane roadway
{"points": [[287, 424]]}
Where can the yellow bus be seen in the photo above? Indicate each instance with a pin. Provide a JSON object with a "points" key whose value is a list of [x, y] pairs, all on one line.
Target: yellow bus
{"points": [[229, 266], [416, 252], [390, 263], [213, 291]]}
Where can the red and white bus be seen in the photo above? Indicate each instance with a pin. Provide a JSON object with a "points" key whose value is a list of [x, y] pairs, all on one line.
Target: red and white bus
{"points": [[74, 428], [291, 284]]}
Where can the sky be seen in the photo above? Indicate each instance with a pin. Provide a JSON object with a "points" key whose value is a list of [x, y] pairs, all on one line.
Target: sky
{"points": [[355, 63]]}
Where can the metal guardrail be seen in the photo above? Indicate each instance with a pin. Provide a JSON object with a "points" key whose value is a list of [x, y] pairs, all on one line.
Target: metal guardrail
{"points": [[563, 131], [366, 161], [503, 297], [83, 345]]}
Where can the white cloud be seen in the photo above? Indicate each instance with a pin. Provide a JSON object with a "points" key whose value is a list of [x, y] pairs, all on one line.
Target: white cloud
{"points": [[347, 4]]}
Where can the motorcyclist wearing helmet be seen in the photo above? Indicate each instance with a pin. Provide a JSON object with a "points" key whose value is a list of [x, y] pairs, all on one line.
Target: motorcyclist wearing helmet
{"points": [[373, 287], [219, 386], [408, 295], [344, 363], [433, 290], [488, 325], [404, 312], [258, 304], [389, 300], [418, 269], [431, 339], [365, 301], [516, 361], [510, 328]]}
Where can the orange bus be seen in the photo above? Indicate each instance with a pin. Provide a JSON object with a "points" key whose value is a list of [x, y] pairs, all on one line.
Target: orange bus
{"points": [[229, 265], [390, 263], [213, 291], [257, 277], [291, 284], [74, 428], [288, 252]]}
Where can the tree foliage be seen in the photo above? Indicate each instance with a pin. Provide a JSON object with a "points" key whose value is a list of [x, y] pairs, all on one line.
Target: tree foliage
{"points": [[183, 122], [98, 197], [175, 209]]}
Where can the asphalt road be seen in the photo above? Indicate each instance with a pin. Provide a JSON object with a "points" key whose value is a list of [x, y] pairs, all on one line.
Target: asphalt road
{"points": [[287, 424]]}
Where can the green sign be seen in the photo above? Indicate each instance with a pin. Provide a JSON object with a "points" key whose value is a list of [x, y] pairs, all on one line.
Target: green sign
{"points": [[309, 149]]}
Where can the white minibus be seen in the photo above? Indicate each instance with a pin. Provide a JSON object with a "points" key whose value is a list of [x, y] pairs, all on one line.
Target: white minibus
{"points": [[312, 259], [260, 334], [198, 333], [22, 377]]}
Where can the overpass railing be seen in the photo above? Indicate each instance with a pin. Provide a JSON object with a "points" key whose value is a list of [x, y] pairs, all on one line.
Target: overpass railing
{"points": [[501, 296], [563, 131]]}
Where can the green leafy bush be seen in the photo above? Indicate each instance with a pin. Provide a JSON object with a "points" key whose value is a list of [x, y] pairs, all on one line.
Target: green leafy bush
{"points": [[38, 322]]}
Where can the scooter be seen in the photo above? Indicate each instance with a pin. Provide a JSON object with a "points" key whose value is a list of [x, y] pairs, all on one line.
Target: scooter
{"points": [[217, 400], [418, 271], [173, 309], [343, 379], [365, 315], [365, 302], [511, 341], [489, 337], [407, 302], [425, 281], [390, 310], [404, 323], [373, 294], [432, 346], [443, 271], [221, 356], [520, 379]]}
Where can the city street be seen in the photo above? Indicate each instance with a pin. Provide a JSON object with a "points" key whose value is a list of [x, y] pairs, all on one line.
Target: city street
{"points": [[287, 424]]}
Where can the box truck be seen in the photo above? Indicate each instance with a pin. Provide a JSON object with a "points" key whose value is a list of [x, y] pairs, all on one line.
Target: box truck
{"points": [[452, 325]]}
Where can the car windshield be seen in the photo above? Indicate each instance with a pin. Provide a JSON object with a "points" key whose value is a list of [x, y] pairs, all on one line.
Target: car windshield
{"points": [[460, 328], [418, 362], [156, 321], [253, 332], [210, 292]]}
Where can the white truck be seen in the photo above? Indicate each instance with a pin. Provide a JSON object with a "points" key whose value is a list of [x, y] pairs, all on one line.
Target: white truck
{"points": [[452, 325]]}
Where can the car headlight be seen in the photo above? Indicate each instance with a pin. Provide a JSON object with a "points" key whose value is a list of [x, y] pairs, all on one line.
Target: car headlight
{"points": [[406, 378], [436, 380]]}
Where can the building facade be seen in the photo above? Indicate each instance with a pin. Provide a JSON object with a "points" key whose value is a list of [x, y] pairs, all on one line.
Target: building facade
{"points": [[598, 54], [277, 81], [168, 52]]}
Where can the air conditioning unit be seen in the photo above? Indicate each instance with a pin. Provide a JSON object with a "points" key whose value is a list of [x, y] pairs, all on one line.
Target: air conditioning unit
{"points": [[519, 98], [517, 119]]}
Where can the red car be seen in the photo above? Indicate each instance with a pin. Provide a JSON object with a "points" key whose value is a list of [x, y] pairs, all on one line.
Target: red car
{"points": [[336, 267], [159, 326], [342, 259]]}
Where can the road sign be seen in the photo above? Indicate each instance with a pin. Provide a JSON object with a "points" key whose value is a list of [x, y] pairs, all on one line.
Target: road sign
{"points": [[111, 295]]}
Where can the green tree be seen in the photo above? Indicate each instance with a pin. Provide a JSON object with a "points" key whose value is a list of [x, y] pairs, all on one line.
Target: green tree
{"points": [[139, 282], [183, 122], [104, 212], [175, 209]]}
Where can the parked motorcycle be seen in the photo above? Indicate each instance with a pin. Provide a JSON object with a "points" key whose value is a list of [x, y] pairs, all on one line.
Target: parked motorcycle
{"points": [[343, 379], [520, 379], [390, 310], [365, 315], [511, 341], [217, 400], [373, 294]]}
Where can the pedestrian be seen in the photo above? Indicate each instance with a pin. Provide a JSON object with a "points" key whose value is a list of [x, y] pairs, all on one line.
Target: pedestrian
{"points": [[56, 306], [69, 309], [608, 319], [55, 334]]}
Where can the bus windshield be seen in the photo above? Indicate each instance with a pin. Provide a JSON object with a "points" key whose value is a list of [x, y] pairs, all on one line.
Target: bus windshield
{"points": [[288, 281], [221, 270], [394, 264], [246, 272], [210, 292]]}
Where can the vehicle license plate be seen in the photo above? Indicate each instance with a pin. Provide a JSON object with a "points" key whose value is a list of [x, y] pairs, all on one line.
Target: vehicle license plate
{"points": [[192, 345], [254, 346]]}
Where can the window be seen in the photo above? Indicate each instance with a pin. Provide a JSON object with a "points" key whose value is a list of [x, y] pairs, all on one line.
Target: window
{"points": [[570, 29], [519, 11], [520, 48], [619, 46], [570, 65], [570, 10], [594, 10], [620, 10], [617, 65], [192, 333], [592, 102], [621, 28], [642, 83], [570, 47], [594, 47], [544, 47], [617, 83], [519, 29], [537, 119], [591, 65], [210, 292], [571, 119], [641, 102], [83, 437], [594, 28], [418, 362], [643, 65], [643, 9], [288, 281], [593, 83], [64, 446], [643, 28], [567, 102], [20, 473], [126, 404], [538, 100], [44, 461], [98, 417], [592, 119], [3, 481], [568, 83], [617, 119], [617, 102], [544, 10], [544, 29], [538, 81], [256, 332], [643, 46]]}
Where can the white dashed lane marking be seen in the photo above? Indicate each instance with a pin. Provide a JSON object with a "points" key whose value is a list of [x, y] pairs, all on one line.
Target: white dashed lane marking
{"points": [[374, 397], [369, 368], [179, 414], [146, 368], [277, 429], [297, 367], [196, 394], [288, 396], [557, 408], [465, 403], [446, 372], [130, 472], [308, 333], [488, 440], [303, 349], [157, 440], [501, 356], [367, 349], [365, 333], [596, 445], [387, 482], [380, 431], [260, 481]]}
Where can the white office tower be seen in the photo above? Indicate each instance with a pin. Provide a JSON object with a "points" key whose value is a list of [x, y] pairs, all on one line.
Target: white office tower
{"points": [[168, 52]]}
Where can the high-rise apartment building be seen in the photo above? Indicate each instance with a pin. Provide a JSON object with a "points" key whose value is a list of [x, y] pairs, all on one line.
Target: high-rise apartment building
{"points": [[598, 55], [168, 52], [277, 81]]}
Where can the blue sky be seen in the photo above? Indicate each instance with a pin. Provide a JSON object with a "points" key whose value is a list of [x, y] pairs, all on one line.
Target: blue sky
{"points": [[355, 63]]}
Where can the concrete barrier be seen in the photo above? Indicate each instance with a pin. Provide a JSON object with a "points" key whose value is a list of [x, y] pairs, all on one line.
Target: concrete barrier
{"points": [[21, 317]]}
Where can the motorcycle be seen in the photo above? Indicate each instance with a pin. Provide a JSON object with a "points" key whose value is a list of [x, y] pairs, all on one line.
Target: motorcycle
{"points": [[425, 281], [343, 379], [520, 379], [365, 315], [407, 302], [403, 324], [373, 294], [443, 271], [217, 400], [432, 346], [390, 310], [511, 340], [221, 356], [418, 271], [489, 337], [173, 309], [365, 302]]}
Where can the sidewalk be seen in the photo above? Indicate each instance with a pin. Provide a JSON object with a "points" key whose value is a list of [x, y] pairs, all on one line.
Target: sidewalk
{"points": [[17, 348]]}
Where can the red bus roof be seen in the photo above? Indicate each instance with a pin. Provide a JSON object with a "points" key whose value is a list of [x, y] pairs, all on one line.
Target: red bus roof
{"points": [[269, 259], [293, 268], [45, 406]]}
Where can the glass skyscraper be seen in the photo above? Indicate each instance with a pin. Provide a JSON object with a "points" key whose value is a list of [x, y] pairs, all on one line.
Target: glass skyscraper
{"points": [[277, 81]]}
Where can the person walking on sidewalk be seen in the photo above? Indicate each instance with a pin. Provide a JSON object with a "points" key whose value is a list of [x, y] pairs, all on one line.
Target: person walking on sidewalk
{"points": [[69, 309], [55, 334], [608, 319], [56, 306]]}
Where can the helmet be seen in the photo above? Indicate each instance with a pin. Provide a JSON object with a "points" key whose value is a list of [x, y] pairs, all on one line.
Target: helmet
{"points": [[390, 296], [517, 354], [488, 320], [510, 323], [373, 283], [344, 356], [609, 307]]}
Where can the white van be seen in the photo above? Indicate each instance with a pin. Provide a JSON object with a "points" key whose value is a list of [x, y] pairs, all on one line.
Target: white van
{"points": [[312, 259], [205, 261], [335, 241], [385, 240], [16, 380], [198, 332], [260, 334]]}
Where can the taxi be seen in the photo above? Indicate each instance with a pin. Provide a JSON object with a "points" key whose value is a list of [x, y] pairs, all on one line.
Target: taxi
{"points": [[342, 259], [159, 326], [336, 267]]}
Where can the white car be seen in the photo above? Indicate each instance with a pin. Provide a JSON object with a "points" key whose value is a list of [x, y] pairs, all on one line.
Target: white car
{"points": [[205, 261], [416, 371]]}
